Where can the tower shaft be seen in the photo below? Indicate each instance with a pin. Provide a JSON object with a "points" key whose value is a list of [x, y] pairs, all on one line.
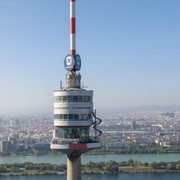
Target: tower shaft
{"points": [[74, 168], [73, 111]]}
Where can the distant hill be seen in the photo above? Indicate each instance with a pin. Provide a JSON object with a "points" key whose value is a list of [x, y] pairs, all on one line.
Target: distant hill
{"points": [[143, 108], [156, 108]]}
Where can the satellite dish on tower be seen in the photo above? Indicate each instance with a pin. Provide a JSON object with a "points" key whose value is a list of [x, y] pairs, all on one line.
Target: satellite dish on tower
{"points": [[69, 62], [77, 62]]}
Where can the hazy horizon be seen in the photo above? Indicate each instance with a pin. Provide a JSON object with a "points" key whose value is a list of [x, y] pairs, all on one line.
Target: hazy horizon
{"points": [[49, 110], [129, 50]]}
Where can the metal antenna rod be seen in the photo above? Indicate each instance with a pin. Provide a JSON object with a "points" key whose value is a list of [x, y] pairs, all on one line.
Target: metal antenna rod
{"points": [[72, 28]]}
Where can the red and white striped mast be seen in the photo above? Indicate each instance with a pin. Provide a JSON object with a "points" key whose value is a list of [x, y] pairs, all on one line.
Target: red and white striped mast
{"points": [[72, 61], [73, 27], [73, 31]]}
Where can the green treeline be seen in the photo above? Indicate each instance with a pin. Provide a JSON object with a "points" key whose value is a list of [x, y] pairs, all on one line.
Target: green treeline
{"points": [[129, 166], [29, 168]]}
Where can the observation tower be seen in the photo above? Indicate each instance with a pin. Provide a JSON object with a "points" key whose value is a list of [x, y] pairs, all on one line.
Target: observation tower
{"points": [[74, 115]]}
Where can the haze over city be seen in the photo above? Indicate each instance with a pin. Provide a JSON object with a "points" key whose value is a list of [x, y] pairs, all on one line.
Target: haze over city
{"points": [[129, 50]]}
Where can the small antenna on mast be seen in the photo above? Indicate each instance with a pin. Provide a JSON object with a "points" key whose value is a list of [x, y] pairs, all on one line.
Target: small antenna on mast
{"points": [[61, 85]]}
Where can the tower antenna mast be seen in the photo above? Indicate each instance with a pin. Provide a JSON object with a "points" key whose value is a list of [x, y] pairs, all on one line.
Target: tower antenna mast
{"points": [[72, 27], [72, 61]]}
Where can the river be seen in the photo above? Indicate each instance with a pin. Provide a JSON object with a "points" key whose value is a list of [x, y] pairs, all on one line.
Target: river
{"points": [[123, 176], [58, 159]]}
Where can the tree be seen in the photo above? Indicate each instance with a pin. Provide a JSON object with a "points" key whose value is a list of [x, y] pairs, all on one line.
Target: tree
{"points": [[154, 165], [130, 162]]}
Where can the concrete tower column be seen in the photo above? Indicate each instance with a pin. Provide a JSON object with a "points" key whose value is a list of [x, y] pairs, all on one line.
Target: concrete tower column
{"points": [[74, 168]]}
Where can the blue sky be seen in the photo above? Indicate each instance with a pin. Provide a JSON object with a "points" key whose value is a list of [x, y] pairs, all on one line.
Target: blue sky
{"points": [[130, 51]]}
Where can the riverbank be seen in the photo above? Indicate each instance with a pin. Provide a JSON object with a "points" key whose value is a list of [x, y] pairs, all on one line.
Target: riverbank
{"points": [[111, 167], [62, 158], [150, 149], [90, 153]]}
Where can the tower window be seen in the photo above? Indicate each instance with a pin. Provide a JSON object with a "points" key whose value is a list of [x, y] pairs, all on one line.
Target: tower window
{"points": [[70, 98], [73, 99], [65, 98], [73, 117], [73, 133]]}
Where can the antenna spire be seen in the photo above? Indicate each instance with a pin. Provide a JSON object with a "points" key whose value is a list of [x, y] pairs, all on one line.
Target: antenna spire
{"points": [[72, 27], [72, 62]]}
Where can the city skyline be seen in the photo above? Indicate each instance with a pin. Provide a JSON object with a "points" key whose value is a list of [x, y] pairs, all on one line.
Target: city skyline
{"points": [[129, 52]]}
